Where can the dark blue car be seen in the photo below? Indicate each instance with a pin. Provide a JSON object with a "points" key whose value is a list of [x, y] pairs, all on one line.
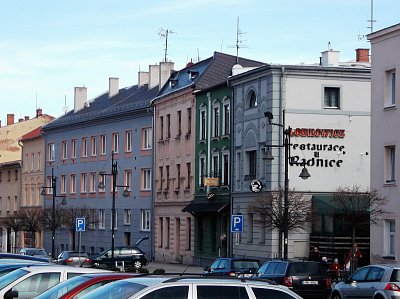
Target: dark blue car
{"points": [[233, 267]]}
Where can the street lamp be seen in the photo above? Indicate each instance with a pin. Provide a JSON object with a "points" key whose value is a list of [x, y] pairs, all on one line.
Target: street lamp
{"points": [[114, 173], [53, 213], [304, 175]]}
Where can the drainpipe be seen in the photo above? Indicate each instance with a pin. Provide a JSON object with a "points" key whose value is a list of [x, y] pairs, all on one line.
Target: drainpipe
{"points": [[153, 220], [281, 154]]}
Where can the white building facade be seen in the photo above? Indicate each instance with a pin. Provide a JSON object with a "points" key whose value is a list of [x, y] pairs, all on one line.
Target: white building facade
{"points": [[385, 140]]}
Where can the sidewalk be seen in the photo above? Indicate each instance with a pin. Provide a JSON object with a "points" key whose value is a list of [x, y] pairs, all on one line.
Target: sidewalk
{"points": [[174, 268]]}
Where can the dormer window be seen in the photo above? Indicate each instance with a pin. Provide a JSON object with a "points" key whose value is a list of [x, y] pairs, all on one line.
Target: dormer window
{"points": [[193, 74], [172, 82]]}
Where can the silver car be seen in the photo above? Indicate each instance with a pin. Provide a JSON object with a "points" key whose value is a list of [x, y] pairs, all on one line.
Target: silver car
{"points": [[372, 282]]}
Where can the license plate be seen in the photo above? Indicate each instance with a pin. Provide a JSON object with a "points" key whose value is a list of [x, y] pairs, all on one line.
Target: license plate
{"points": [[308, 282]]}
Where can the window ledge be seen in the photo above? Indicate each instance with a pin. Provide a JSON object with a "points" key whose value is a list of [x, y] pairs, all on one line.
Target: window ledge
{"points": [[390, 107], [389, 258], [389, 184]]}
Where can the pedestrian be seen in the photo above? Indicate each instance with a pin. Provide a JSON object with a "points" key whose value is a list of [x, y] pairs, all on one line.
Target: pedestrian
{"points": [[353, 258], [324, 262], [334, 269], [315, 254]]}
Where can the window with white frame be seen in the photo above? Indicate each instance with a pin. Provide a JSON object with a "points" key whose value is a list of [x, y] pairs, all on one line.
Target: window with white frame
{"points": [[32, 162], [93, 146], [102, 219], [73, 148], [189, 120], [251, 99], [146, 179], [103, 144], [226, 115], [128, 179], [168, 125], [225, 168], [390, 88], [390, 237], [161, 173], [83, 182], [84, 149], [147, 138], [115, 143], [92, 182], [178, 176], [332, 97], [202, 169], [179, 122], [38, 161], [161, 127], [188, 174], [26, 162], [128, 141], [72, 183], [390, 164], [215, 120], [102, 178], [63, 184], [127, 216], [145, 220], [51, 149], [251, 164], [167, 177], [203, 123], [64, 150], [92, 218], [215, 163]]}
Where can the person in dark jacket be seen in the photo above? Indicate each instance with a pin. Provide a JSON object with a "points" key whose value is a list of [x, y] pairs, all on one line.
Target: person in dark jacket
{"points": [[315, 255]]}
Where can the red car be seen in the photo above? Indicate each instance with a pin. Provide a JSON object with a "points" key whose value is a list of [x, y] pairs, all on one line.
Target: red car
{"points": [[82, 284]]}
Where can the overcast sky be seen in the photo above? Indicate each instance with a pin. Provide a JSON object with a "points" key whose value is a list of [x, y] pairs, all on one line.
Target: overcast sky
{"points": [[48, 47]]}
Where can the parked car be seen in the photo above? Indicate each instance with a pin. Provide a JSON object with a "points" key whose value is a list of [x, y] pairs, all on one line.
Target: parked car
{"points": [[306, 278], [191, 287], [373, 282], [233, 267], [37, 252], [7, 266], [129, 256], [81, 285], [74, 258], [22, 257], [28, 282]]}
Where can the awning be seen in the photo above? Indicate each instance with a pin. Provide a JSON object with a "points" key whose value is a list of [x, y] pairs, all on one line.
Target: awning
{"points": [[205, 207], [324, 204]]}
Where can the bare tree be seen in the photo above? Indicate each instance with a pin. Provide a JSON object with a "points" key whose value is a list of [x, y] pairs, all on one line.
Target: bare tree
{"points": [[32, 222], [359, 207], [59, 215], [70, 217], [13, 223], [269, 206]]}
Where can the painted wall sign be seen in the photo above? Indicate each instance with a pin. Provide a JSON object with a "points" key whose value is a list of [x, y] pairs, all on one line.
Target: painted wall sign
{"points": [[312, 132]]}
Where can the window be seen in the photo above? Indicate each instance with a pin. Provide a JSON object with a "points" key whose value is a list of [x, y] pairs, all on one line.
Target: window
{"points": [[102, 219], [38, 161], [63, 184], [92, 218], [92, 182], [332, 97], [84, 147], [179, 122], [167, 177], [251, 99], [128, 179], [390, 160], [33, 162], [115, 219], [145, 220], [161, 172], [127, 216], [188, 174], [226, 118], [103, 144], [34, 285], [203, 127], [168, 125], [270, 293], [73, 148], [161, 127], [222, 292], [102, 178], [178, 176], [189, 120], [83, 182], [175, 292], [49, 185], [93, 146], [147, 138], [251, 164], [215, 164], [26, 162], [72, 186], [202, 170], [64, 150], [115, 143], [390, 237], [146, 179], [216, 120], [391, 87], [225, 168], [128, 141], [51, 148]]}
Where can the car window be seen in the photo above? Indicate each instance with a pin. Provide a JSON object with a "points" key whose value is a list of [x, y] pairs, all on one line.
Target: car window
{"points": [[177, 292], [215, 264], [281, 268], [221, 292], [62, 288], [262, 293], [223, 264], [263, 268], [395, 277], [126, 251], [90, 288], [361, 274], [117, 290], [245, 264], [36, 284], [304, 268], [72, 274], [271, 268], [375, 274]]}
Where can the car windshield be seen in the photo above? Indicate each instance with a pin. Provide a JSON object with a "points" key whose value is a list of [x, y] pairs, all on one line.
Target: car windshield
{"points": [[304, 268], [245, 265], [116, 290], [62, 288], [12, 276], [77, 254]]}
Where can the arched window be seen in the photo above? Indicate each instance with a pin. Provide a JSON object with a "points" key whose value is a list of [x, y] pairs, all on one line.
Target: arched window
{"points": [[203, 123], [251, 99]]}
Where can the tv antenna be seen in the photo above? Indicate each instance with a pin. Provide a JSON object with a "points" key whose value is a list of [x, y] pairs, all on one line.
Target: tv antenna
{"points": [[164, 33], [65, 108], [238, 45], [371, 21]]}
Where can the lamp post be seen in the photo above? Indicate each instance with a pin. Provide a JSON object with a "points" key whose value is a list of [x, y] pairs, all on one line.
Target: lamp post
{"points": [[53, 210], [304, 175], [114, 174]]}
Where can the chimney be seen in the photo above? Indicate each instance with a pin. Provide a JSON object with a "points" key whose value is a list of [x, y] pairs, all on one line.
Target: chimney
{"points": [[80, 97], [362, 55], [165, 72], [39, 112], [26, 117], [330, 58], [20, 120], [113, 84], [10, 119], [143, 78], [154, 75]]}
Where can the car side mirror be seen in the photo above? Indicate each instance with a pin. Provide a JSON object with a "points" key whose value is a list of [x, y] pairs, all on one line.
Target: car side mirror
{"points": [[106, 254], [10, 294], [206, 269]]}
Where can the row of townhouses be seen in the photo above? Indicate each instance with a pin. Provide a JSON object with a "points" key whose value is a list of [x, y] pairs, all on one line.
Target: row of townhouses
{"points": [[178, 154]]}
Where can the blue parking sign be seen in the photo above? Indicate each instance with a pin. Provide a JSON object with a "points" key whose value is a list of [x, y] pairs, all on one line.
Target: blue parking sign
{"points": [[80, 225], [237, 224]]}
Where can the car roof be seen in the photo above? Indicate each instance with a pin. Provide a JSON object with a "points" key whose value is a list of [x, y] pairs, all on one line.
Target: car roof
{"points": [[54, 268], [110, 275], [22, 257]]}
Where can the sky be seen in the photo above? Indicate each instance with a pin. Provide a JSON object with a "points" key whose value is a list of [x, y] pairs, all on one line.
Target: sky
{"points": [[49, 47]]}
